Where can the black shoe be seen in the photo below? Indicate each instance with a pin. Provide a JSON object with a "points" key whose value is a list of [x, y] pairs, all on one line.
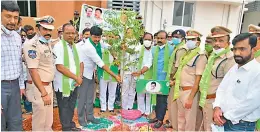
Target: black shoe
{"points": [[158, 124], [102, 111], [94, 121], [111, 111], [152, 120], [75, 129]]}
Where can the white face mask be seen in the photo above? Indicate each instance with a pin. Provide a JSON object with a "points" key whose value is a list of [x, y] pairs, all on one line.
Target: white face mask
{"points": [[218, 50], [161, 46], [147, 43], [5, 30], [191, 44]]}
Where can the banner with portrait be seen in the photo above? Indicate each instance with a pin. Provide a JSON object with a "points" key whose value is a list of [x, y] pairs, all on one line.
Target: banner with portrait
{"points": [[95, 16], [153, 86]]}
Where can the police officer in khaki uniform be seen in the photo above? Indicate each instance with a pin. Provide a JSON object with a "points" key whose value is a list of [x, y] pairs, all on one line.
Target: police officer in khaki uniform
{"points": [[178, 39], [221, 65], [187, 81], [256, 30], [40, 63]]}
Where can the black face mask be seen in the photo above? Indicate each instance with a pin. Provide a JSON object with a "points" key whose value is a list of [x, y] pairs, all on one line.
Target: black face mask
{"points": [[31, 36]]}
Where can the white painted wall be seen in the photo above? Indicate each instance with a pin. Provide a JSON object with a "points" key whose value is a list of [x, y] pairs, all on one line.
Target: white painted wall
{"points": [[250, 18], [206, 15]]}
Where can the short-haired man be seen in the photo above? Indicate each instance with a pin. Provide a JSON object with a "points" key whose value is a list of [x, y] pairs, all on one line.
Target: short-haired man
{"points": [[237, 106], [12, 80], [91, 55], [68, 76], [29, 30], [88, 20]]}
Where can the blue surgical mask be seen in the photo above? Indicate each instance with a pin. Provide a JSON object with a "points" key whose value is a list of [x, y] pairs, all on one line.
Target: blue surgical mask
{"points": [[176, 41], [191, 44], [44, 39]]}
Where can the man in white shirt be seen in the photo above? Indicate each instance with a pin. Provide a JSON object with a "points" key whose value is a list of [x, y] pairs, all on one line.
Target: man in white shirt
{"points": [[237, 106], [91, 56], [68, 77], [143, 99]]}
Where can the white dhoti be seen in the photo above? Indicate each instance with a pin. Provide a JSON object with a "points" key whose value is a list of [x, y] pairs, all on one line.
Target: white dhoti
{"points": [[128, 91]]}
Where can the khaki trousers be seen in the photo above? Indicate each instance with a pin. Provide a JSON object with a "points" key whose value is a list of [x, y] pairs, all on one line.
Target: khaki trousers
{"points": [[187, 117], [172, 110], [208, 114], [42, 117]]}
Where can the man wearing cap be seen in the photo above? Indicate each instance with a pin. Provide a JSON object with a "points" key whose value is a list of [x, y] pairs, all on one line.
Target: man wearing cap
{"points": [[209, 45], [256, 30], [161, 56], [219, 63], [178, 40], [187, 80], [169, 37], [76, 20], [40, 59]]}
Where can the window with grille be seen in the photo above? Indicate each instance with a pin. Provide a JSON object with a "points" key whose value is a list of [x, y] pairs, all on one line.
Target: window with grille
{"points": [[128, 4], [182, 13], [27, 8]]}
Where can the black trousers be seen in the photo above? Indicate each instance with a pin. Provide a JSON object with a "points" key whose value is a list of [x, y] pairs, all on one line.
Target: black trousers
{"points": [[66, 107], [161, 106]]}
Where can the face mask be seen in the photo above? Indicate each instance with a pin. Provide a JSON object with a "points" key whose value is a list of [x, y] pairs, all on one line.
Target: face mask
{"points": [[161, 46], [170, 42], [44, 40], [191, 44], [176, 41], [147, 43], [19, 30], [208, 48], [31, 36], [218, 50], [5, 30]]}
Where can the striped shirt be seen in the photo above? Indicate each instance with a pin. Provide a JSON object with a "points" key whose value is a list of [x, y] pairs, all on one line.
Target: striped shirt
{"points": [[11, 56]]}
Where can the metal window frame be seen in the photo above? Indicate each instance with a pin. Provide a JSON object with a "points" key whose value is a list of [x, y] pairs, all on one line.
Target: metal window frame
{"points": [[183, 9]]}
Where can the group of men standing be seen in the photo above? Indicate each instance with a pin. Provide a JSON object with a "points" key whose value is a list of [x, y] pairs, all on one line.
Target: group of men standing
{"points": [[209, 87]]}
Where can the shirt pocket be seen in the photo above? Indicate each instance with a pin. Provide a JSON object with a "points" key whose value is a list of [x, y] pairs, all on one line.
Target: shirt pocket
{"points": [[218, 70], [241, 89]]}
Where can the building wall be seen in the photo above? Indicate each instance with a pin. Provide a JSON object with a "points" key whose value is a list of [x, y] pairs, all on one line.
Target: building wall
{"points": [[62, 11], [250, 18]]}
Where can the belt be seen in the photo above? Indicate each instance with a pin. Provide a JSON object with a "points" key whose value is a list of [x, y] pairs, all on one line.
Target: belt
{"points": [[211, 96], [8, 81], [44, 83], [187, 88]]}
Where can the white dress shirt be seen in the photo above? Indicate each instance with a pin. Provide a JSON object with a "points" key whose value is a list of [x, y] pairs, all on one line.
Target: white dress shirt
{"points": [[59, 52], [238, 94], [147, 60], [90, 58], [131, 58]]}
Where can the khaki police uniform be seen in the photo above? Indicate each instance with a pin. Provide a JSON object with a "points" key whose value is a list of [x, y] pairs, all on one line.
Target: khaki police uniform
{"points": [[172, 105], [255, 30], [39, 55], [187, 117], [221, 66]]}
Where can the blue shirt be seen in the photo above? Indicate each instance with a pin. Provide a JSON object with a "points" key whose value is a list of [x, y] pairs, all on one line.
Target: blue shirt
{"points": [[161, 75]]}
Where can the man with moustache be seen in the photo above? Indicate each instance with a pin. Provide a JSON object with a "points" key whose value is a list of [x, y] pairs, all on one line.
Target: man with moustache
{"points": [[68, 76], [12, 79], [40, 63], [237, 106], [161, 55], [219, 63]]}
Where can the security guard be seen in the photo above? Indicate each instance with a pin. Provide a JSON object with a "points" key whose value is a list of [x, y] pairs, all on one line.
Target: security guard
{"points": [[178, 39], [40, 63], [219, 63], [256, 30], [209, 45], [187, 80]]}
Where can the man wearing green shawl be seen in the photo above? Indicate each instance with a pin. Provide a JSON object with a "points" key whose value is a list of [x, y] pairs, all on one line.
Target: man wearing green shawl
{"points": [[219, 63], [144, 71], [68, 76], [187, 80], [208, 45], [161, 56], [106, 81], [178, 39], [91, 55], [256, 30]]}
